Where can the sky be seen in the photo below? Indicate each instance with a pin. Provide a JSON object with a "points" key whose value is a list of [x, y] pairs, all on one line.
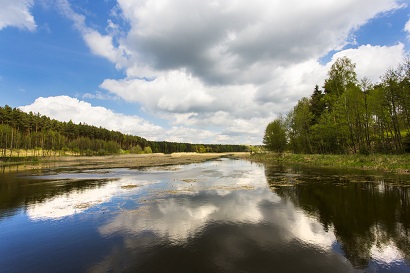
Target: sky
{"points": [[193, 71]]}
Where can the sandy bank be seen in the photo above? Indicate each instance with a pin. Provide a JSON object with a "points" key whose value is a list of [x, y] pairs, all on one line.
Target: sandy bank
{"points": [[119, 161]]}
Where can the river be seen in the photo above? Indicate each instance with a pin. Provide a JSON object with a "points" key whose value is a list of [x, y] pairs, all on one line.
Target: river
{"points": [[219, 216]]}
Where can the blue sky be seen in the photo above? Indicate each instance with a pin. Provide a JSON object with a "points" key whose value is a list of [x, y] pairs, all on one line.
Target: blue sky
{"points": [[219, 70]]}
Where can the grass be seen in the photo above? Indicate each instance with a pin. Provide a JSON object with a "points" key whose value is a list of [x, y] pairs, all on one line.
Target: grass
{"points": [[381, 162]]}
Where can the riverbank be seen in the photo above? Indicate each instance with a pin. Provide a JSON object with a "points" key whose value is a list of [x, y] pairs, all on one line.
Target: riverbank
{"points": [[114, 161], [380, 162]]}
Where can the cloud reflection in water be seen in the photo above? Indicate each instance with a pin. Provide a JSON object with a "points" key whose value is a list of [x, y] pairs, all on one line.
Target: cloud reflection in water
{"points": [[223, 210]]}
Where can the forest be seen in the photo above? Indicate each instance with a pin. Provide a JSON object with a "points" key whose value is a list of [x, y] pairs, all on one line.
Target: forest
{"points": [[33, 134], [348, 116]]}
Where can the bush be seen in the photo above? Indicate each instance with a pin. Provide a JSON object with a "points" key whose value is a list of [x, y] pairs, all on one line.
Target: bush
{"points": [[136, 149]]}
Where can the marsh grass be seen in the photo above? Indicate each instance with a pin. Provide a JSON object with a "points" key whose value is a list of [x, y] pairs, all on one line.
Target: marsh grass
{"points": [[382, 162]]}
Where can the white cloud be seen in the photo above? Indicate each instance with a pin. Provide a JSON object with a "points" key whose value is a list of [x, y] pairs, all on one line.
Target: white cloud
{"points": [[373, 61], [244, 109], [180, 92], [226, 42], [407, 29], [16, 13], [239, 41], [99, 44], [226, 68], [185, 101], [64, 108], [233, 65]]}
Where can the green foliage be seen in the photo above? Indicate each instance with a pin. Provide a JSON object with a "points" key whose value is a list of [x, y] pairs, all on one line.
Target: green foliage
{"points": [[316, 105], [200, 149], [255, 149], [175, 147], [34, 132], [300, 120], [341, 74], [275, 136], [353, 117], [136, 150]]}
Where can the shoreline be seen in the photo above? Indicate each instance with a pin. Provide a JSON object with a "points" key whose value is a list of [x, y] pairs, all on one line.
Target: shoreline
{"points": [[399, 164], [378, 162], [115, 161]]}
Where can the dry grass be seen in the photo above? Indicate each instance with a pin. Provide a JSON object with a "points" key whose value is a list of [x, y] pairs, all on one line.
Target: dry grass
{"points": [[35, 152], [118, 161]]}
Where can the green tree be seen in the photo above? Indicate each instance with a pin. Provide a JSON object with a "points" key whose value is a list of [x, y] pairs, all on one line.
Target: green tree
{"points": [[300, 120], [275, 136], [391, 91], [352, 115], [200, 149], [317, 105], [366, 86], [341, 74]]}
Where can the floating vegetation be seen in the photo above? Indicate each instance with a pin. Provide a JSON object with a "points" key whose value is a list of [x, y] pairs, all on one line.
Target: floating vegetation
{"points": [[189, 180], [83, 206], [181, 191], [279, 185], [233, 188], [286, 181], [131, 186]]}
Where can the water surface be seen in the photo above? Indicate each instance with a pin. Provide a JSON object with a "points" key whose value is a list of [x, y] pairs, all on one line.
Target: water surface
{"points": [[219, 216]]}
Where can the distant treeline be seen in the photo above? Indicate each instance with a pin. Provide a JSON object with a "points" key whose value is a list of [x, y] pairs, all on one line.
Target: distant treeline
{"points": [[348, 115], [22, 133]]}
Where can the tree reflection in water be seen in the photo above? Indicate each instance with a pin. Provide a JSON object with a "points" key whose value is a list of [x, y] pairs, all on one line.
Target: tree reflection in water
{"points": [[369, 214]]}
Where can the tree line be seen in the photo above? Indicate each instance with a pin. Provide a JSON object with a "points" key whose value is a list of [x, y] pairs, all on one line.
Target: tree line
{"points": [[348, 115], [31, 133]]}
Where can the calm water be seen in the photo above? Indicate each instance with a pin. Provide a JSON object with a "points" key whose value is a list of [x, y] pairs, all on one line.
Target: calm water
{"points": [[218, 216]]}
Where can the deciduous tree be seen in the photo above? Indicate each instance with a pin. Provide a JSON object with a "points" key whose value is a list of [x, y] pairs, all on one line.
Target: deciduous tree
{"points": [[275, 136]]}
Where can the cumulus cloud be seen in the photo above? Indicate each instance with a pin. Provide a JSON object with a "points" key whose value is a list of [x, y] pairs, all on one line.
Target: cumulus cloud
{"points": [[229, 67], [64, 108], [225, 42], [229, 60], [244, 108], [231, 41], [16, 13], [180, 92], [373, 61]]}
